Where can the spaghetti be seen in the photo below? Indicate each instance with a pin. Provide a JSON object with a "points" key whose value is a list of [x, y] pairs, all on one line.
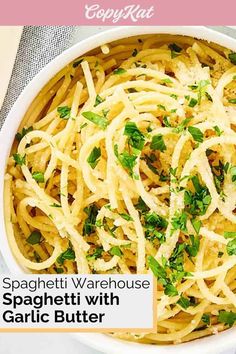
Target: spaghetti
{"points": [[125, 162]]}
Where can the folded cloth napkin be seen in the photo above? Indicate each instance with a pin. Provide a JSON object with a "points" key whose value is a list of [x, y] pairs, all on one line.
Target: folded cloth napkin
{"points": [[38, 46]]}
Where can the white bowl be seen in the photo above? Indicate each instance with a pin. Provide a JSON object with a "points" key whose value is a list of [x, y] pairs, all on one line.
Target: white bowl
{"points": [[104, 343]]}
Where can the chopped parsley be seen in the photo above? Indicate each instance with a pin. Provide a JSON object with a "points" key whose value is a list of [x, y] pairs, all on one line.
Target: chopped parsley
{"points": [[19, 159], [229, 234], [217, 130], [175, 50], [161, 107], [179, 222], [96, 254], [227, 317], [167, 81], [182, 125], [193, 248], [127, 160], [198, 202], [232, 58], [24, 131], [98, 100], [69, 254], [196, 225], [153, 223], [38, 177], [94, 156], [200, 88], [170, 290], [34, 238], [64, 112], [149, 161], [232, 100], [233, 173], [176, 260], [183, 302], [126, 217], [54, 205], [77, 63], [83, 126], [116, 251], [175, 47], [155, 220], [158, 143], [166, 122], [193, 102], [90, 221], [141, 206], [208, 96], [100, 121], [231, 247], [136, 137], [156, 268], [119, 71], [59, 270], [206, 319], [196, 134]]}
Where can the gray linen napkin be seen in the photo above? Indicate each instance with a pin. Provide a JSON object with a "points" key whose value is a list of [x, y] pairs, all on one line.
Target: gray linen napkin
{"points": [[38, 46]]}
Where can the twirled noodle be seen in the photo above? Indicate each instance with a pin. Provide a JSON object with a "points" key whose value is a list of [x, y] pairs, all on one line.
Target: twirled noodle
{"points": [[126, 162]]}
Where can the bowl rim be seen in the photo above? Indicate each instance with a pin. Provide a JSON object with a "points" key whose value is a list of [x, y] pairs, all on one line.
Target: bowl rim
{"points": [[225, 340]]}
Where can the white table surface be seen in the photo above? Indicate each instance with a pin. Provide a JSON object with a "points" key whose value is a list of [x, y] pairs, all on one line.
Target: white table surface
{"points": [[63, 343]]}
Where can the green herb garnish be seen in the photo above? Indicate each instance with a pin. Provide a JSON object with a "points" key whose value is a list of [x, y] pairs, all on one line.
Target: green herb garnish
{"points": [[227, 317], [90, 221], [127, 160], [193, 102], [19, 159], [119, 71], [193, 248], [116, 251], [232, 58], [229, 234], [101, 121], [96, 254], [170, 290], [98, 100], [232, 100], [197, 203], [59, 270], [126, 217], [158, 143], [64, 112], [77, 63], [217, 130], [38, 177], [24, 131], [183, 302], [206, 319], [231, 247], [179, 221], [69, 254], [34, 238], [136, 137], [94, 156], [196, 134]]}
